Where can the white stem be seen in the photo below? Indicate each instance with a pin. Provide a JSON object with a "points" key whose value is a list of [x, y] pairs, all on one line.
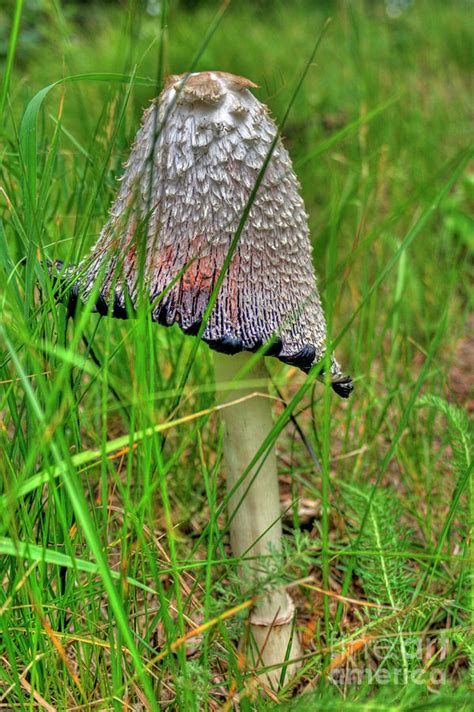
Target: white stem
{"points": [[255, 526]]}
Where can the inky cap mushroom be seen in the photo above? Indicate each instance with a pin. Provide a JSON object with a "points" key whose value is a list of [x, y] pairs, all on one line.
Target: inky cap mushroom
{"points": [[187, 181]]}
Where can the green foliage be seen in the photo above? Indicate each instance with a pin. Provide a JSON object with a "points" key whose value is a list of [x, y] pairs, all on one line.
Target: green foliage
{"points": [[386, 579], [113, 535], [460, 431], [387, 699], [34, 27]]}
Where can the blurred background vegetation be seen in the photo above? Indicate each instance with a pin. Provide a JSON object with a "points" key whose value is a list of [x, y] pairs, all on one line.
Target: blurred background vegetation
{"points": [[378, 135], [415, 52]]}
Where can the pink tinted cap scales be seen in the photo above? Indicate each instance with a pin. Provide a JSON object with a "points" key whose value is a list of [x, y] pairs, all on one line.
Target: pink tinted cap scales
{"points": [[187, 181]]}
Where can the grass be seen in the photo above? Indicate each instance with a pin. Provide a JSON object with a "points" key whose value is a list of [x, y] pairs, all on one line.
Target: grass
{"points": [[118, 589]]}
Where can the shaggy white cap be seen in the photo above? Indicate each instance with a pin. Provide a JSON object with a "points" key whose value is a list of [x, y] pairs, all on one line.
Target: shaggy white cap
{"points": [[188, 178]]}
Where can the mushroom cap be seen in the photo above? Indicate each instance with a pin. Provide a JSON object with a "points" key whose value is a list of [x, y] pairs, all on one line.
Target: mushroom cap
{"points": [[187, 181]]}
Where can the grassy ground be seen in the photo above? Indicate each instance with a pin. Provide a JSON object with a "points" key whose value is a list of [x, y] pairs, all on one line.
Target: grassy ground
{"points": [[114, 547]]}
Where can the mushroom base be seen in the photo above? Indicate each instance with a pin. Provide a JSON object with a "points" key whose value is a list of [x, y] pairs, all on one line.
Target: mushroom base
{"points": [[254, 514], [270, 639]]}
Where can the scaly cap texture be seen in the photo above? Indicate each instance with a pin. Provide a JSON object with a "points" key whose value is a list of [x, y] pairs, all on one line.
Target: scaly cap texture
{"points": [[186, 184]]}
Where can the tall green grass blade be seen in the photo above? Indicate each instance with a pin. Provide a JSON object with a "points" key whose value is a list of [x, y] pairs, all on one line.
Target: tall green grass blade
{"points": [[35, 553], [10, 56], [84, 518]]}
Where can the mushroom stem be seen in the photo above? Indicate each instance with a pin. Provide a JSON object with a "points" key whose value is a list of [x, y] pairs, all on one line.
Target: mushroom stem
{"points": [[255, 517]]}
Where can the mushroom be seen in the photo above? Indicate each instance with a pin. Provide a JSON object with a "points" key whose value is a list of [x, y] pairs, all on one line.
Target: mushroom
{"points": [[191, 171]]}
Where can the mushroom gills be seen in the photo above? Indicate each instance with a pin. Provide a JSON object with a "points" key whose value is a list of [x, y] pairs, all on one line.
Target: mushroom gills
{"points": [[68, 294]]}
